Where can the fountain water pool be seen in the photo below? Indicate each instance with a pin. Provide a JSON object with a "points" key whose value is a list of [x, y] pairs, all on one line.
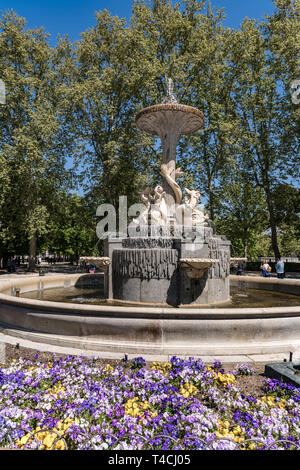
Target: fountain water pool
{"points": [[239, 297], [157, 332]]}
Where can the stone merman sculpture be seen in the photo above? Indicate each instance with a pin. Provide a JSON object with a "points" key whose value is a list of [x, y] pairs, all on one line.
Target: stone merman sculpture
{"points": [[158, 208], [155, 207], [166, 171], [187, 214]]}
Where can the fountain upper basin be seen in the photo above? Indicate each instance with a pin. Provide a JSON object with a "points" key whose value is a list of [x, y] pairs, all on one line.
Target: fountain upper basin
{"points": [[172, 116]]}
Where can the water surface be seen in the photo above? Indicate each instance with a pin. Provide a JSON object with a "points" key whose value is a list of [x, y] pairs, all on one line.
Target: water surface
{"points": [[240, 297]]}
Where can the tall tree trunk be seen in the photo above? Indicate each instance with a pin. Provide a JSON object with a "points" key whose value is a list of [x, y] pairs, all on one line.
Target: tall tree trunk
{"points": [[32, 253], [273, 227], [211, 202], [245, 248]]}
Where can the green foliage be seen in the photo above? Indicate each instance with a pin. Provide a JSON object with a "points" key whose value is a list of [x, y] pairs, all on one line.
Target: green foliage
{"points": [[103, 88], [73, 229], [289, 241], [80, 100], [269, 144], [287, 203], [241, 213], [31, 142]]}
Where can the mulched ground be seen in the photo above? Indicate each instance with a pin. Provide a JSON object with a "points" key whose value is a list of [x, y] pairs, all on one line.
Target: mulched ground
{"points": [[249, 385]]}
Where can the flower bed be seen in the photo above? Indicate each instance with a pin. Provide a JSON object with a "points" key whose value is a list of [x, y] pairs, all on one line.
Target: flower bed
{"points": [[77, 403]]}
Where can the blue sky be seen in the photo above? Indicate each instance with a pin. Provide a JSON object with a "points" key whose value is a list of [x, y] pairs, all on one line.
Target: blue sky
{"points": [[75, 16]]}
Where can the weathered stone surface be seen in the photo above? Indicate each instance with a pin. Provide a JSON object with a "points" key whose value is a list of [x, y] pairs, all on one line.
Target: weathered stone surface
{"points": [[286, 286], [196, 267], [2, 353], [144, 263], [285, 371], [147, 243], [144, 260], [155, 119], [160, 330], [220, 249], [98, 262]]}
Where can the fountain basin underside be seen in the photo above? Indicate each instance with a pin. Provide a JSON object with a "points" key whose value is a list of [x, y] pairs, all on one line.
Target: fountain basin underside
{"points": [[151, 330]]}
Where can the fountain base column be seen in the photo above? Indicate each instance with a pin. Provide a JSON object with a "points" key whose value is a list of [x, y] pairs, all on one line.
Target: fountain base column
{"points": [[157, 270]]}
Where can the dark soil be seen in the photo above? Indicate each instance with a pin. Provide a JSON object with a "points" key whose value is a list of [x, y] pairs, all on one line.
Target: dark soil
{"points": [[250, 384], [17, 352]]}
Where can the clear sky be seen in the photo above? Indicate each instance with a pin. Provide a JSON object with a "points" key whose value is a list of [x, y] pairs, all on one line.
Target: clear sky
{"points": [[75, 16]]}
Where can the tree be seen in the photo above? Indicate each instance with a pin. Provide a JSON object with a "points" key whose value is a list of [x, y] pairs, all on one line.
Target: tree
{"points": [[241, 214], [32, 141], [269, 142], [72, 231], [287, 203], [102, 80], [106, 83]]}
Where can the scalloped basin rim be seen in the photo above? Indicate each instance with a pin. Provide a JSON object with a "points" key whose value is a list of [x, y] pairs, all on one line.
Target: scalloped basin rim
{"points": [[191, 119], [96, 261], [198, 261], [170, 107]]}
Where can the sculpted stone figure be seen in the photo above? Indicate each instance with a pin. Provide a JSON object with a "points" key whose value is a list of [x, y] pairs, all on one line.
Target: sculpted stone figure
{"points": [[143, 217], [158, 208], [187, 214], [155, 207], [170, 98], [166, 171]]}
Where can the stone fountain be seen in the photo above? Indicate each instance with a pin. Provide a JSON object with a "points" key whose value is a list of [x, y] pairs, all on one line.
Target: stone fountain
{"points": [[171, 255]]}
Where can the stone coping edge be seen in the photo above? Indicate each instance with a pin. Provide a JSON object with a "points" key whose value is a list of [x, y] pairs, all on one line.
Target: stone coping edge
{"points": [[147, 312]]}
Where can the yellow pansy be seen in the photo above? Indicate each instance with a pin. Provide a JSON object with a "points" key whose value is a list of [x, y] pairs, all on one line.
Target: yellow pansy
{"points": [[270, 401], [235, 434], [57, 389], [135, 408], [237, 431], [252, 446], [188, 390], [47, 438], [226, 379], [164, 367]]}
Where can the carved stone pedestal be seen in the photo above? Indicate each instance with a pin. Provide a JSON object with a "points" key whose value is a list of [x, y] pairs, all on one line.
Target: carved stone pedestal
{"points": [[167, 270]]}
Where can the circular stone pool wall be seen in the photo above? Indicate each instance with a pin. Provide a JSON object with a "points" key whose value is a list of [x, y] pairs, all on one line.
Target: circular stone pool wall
{"points": [[150, 330]]}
